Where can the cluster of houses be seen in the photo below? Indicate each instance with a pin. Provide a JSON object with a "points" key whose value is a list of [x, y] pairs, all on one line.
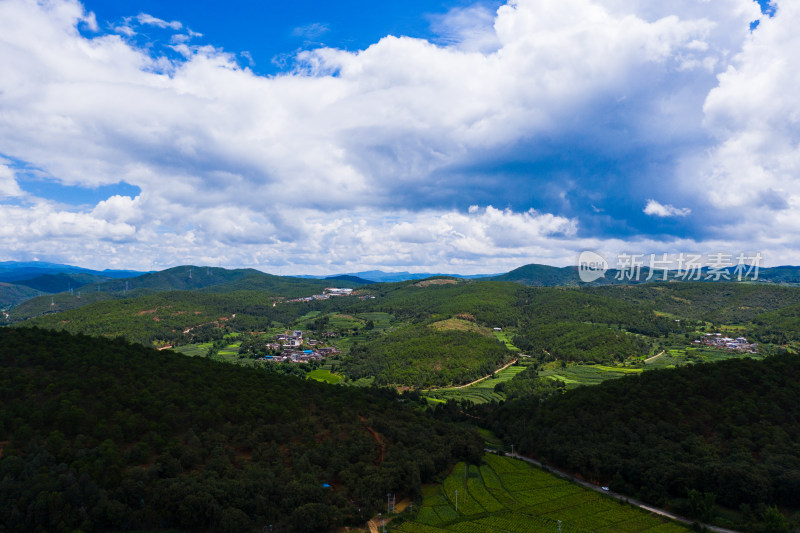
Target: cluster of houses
{"points": [[327, 293], [293, 348], [739, 344]]}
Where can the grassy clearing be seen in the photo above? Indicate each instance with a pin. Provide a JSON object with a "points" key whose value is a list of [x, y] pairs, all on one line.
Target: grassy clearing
{"points": [[339, 321], [504, 337], [325, 375], [194, 350], [311, 315], [505, 494], [382, 321], [362, 382], [458, 324]]}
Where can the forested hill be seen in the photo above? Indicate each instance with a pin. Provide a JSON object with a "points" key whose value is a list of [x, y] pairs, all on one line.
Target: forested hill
{"points": [[11, 294], [184, 278], [550, 276], [541, 275], [716, 302], [723, 433], [99, 435]]}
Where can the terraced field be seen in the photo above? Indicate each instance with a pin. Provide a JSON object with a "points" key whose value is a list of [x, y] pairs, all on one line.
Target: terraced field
{"points": [[478, 393], [505, 338], [700, 354], [576, 375], [508, 495]]}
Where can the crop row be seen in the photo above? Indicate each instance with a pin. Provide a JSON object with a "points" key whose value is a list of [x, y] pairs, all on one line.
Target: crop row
{"points": [[489, 504], [478, 490], [458, 496]]}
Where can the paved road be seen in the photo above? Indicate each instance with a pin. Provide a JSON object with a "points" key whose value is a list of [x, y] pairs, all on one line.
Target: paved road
{"points": [[637, 503]]}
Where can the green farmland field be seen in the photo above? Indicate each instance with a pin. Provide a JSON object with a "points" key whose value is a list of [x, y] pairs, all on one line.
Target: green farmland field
{"points": [[322, 374], [509, 495], [382, 321], [194, 350], [695, 354], [478, 393], [505, 338], [575, 375]]}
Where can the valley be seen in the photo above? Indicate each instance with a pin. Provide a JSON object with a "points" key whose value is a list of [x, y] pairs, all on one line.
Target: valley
{"points": [[499, 355]]}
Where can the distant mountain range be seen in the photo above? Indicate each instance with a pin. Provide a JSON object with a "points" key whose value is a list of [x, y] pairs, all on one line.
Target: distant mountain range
{"points": [[28, 302], [21, 281], [13, 271], [379, 276], [24, 281]]}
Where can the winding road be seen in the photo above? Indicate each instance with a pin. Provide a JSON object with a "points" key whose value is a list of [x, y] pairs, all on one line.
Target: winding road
{"points": [[476, 381]]}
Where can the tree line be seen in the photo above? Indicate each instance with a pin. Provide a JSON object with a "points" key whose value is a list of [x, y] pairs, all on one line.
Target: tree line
{"points": [[102, 434]]}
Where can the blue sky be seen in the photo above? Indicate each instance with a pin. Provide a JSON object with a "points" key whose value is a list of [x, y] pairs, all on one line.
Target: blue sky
{"points": [[457, 136], [271, 32]]}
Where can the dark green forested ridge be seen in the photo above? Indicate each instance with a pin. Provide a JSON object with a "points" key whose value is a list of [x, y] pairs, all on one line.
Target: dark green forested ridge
{"points": [[12, 294], [778, 327], [550, 276], [183, 278], [729, 430], [715, 302], [102, 435], [62, 281]]}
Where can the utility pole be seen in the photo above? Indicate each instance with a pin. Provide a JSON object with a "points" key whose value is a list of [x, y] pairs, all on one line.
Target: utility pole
{"points": [[512, 450], [456, 499]]}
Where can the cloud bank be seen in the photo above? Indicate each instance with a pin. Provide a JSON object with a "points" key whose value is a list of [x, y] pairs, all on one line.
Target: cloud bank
{"points": [[566, 116]]}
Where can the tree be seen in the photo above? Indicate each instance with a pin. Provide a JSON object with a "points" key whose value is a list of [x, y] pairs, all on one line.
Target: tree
{"points": [[702, 504]]}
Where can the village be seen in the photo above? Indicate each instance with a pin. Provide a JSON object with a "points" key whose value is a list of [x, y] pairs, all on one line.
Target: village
{"points": [[717, 340], [331, 292], [291, 347], [326, 294]]}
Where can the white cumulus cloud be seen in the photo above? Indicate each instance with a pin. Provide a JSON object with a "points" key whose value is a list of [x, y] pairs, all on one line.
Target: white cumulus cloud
{"points": [[659, 210], [365, 157], [8, 182], [150, 20]]}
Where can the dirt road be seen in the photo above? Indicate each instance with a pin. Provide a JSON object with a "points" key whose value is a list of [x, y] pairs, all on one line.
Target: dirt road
{"points": [[654, 357], [477, 380]]}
